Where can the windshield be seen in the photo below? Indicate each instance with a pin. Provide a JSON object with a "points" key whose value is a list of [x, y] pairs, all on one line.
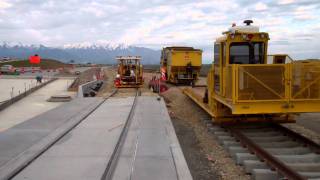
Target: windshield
{"points": [[247, 53]]}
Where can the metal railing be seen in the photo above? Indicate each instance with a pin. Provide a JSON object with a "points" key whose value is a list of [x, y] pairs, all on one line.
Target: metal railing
{"points": [[261, 82], [272, 82], [305, 81]]}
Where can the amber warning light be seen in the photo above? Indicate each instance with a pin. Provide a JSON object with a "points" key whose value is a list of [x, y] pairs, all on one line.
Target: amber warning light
{"points": [[250, 36]]}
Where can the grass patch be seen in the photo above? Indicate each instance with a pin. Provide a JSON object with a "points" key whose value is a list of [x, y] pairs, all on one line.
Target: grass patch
{"points": [[45, 64]]}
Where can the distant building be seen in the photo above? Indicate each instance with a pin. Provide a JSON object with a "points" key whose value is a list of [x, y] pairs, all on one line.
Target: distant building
{"points": [[5, 58]]}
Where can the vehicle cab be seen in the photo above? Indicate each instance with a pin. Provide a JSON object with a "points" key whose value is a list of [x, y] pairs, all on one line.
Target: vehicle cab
{"points": [[244, 80]]}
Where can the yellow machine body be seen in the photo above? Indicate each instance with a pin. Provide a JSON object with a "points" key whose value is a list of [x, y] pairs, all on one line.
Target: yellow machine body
{"points": [[181, 64], [244, 84], [130, 72]]}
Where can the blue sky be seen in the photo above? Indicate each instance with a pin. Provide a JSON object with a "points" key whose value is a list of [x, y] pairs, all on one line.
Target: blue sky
{"points": [[293, 25]]}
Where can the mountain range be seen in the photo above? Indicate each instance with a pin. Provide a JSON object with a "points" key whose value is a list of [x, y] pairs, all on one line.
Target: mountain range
{"points": [[79, 53]]}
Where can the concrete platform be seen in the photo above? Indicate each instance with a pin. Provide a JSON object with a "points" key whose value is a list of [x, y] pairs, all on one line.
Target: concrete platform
{"points": [[7, 85], [24, 141], [34, 104], [151, 149], [84, 152]]}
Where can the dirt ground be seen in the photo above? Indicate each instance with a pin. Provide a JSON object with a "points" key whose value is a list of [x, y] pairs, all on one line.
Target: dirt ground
{"points": [[205, 157], [107, 87]]}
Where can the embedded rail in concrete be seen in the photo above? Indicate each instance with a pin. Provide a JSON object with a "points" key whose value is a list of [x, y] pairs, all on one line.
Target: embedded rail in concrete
{"points": [[149, 150]]}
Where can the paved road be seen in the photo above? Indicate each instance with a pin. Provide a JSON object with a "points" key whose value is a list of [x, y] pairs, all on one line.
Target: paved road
{"points": [[34, 104]]}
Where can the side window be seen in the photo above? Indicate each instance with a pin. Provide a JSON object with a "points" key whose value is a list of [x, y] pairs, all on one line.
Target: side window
{"points": [[258, 53], [216, 54], [223, 50]]}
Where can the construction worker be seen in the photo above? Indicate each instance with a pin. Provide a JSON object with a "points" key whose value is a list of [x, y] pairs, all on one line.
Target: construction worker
{"points": [[39, 78], [132, 74]]}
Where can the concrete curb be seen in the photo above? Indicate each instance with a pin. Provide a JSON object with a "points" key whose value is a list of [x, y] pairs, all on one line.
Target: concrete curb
{"points": [[181, 165], [22, 95]]}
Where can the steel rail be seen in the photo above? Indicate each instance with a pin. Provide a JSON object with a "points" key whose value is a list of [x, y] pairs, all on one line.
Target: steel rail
{"points": [[272, 161], [25, 164], [113, 161], [309, 143]]}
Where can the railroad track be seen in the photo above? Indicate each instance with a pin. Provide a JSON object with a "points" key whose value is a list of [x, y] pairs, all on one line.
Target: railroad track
{"points": [[270, 151], [112, 163], [16, 168]]}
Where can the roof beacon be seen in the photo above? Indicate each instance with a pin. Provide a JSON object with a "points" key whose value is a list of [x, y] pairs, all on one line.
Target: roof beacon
{"points": [[248, 22]]}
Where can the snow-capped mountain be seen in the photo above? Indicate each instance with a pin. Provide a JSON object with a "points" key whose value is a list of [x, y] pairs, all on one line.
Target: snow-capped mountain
{"points": [[80, 53]]}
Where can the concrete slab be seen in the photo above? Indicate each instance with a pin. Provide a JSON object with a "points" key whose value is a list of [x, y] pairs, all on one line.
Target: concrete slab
{"points": [[289, 151], [250, 165], [288, 144], [31, 142], [227, 144], [154, 167], [240, 157], [237, 149], [305, 167], [34, 104], [306, 158], [222, 138], [71, 168], [12, 87], [309, 175], [264, 174], [151, 149], [85, 151], [21, 137]]}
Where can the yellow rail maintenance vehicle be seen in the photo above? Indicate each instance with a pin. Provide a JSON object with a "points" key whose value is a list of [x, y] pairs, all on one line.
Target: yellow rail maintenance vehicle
{"points": [[181, 65], [244, 84], [130, 72]]}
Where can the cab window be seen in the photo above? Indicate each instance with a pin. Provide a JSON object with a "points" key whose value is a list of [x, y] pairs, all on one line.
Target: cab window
{"points": [[216, 54], [247, 53]]}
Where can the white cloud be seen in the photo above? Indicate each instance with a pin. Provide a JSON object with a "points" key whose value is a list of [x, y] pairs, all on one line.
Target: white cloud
{"points": [[158, 10], [260, 6], [4, 4], [155, 23], [304, 13], [284, 2]]}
